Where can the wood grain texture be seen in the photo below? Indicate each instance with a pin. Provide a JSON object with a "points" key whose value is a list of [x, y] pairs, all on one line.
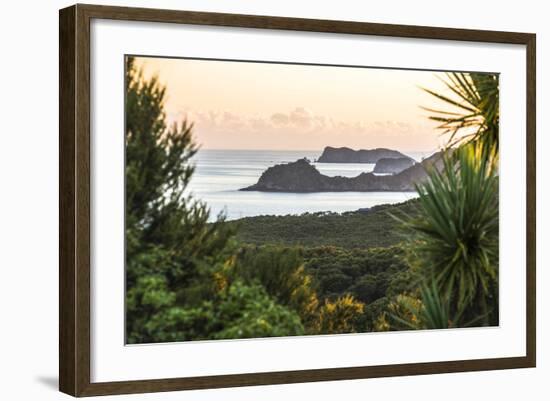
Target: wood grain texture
{"points": [[300, 24], [301, 376], [74, 199], [82, 193], [531, 229], [67, 131]]}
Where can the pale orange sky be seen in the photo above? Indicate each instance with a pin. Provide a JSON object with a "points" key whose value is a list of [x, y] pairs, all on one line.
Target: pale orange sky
{"points": [[242, 105]]}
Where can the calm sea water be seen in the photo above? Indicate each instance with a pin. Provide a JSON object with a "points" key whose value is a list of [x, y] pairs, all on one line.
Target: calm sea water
{"points": [[220, 174]]}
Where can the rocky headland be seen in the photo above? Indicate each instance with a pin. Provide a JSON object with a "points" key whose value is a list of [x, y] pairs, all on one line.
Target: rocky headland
{"points": [[393, 166], [347, 155], [302, 176]]}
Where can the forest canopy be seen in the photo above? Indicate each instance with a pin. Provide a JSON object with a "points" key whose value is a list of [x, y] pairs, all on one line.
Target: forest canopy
{"points": [[431, 262]]}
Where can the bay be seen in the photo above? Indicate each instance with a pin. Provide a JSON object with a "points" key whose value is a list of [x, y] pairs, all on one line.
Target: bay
{"points": [[220, 174]]}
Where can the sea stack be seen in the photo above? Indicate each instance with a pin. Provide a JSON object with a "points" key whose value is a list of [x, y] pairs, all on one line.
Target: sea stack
{"points": [[347, 155]]}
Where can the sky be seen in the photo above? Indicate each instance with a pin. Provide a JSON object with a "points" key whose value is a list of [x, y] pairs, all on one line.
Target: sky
{"points": [[246, 105]]}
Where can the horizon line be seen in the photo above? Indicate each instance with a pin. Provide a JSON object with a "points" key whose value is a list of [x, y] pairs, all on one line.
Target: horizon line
{"points": [[315, 150]]}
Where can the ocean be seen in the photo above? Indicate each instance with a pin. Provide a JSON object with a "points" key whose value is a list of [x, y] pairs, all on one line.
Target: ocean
{"points": [[220, 174]]}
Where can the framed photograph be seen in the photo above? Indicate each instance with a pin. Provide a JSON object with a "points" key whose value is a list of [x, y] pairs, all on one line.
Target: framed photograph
{"points": [[249, 200]]}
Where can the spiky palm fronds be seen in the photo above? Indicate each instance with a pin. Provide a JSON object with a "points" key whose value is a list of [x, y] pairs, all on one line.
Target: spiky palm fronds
{"points": [[475, 116], [430, 311], [436, 313], [456, 239]]}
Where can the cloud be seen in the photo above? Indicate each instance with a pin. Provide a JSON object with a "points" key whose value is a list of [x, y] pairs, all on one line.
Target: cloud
{"points": [[224, 128], [233, 121], [279, 119], [259, 124], [300, 117], [391, 127]]}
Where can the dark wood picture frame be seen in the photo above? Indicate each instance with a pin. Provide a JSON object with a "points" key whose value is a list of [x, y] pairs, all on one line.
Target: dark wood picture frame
{"points": [[74, 199]]}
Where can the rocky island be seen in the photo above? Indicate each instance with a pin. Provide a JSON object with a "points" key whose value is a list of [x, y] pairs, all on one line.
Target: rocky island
{"points": [[347, 155], [301, 176], [388, 165]]}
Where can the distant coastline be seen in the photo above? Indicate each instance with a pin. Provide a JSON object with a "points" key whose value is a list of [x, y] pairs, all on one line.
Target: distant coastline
{"points": [[303, 177], [220, 174], [348, 155]]}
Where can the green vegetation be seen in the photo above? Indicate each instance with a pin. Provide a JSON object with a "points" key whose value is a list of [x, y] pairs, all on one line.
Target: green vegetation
{"points": [[427, 263], [188, 279], [368, 229], [457, 234], [454, 238], [372, 276], [170, 248], [429, 311], [474, 115]]}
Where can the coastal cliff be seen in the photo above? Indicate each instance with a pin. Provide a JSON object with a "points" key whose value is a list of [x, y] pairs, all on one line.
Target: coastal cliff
{"points": [[301, 176], [347, 155], [393, 166]]}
